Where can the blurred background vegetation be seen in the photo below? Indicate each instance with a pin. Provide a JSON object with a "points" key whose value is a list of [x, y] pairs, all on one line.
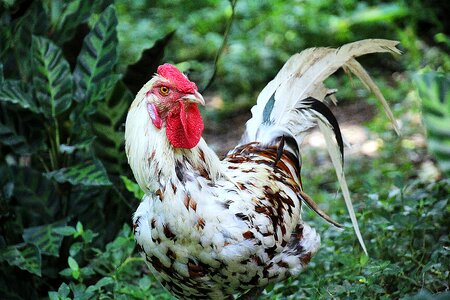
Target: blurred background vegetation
{"points": [[69, 70]]}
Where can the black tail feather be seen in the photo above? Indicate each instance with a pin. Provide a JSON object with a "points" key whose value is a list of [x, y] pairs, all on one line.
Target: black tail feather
{"points": [[322, 109]]}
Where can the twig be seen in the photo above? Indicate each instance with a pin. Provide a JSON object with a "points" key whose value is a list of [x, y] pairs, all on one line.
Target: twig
{"points": [[222, 47], [129, 259], [115, 189]]}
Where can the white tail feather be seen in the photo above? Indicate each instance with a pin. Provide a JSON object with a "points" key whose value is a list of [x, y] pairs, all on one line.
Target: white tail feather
{"points": [[335, 156], [355, 67], [301, 77]]}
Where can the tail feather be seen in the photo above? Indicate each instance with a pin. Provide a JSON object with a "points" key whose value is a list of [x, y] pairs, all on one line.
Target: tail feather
{"points": [[325, 115], [285, 104], [355, 67], [302, 76], [338, 167]]}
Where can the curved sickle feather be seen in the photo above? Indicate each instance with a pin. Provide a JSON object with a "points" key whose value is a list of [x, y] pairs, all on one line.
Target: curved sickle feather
{"points": [[327, 123], [313, 205]]}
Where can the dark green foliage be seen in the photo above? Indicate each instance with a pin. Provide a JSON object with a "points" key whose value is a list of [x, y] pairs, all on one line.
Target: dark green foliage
{"points": [[34, 21], [407, 250], [15, 92], [120, 268], [93, 73], [52, 79], [107, 125], [87, 174], [30, 197], [24, 256], [67, 17], [18, 143], [434, 91], [61, 132], [138, 73], [47, 238]]}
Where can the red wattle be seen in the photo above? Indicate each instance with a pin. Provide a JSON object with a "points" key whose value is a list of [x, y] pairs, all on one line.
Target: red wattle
{"points": [[184, 126]]}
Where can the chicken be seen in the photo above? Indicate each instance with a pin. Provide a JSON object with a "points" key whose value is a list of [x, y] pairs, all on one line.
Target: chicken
{"points": [[212, 229]]}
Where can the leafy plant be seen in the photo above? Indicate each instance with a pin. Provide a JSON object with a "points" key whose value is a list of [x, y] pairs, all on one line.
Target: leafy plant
{"points": [[405, 225], [61, 116], [434, 91]]}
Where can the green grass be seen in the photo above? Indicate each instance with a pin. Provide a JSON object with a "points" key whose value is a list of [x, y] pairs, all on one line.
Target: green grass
{"points": [[404, 222]]}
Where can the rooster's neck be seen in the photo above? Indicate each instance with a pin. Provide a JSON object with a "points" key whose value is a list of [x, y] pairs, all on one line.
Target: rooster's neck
{"points": [[155, 162], [165, 165]]}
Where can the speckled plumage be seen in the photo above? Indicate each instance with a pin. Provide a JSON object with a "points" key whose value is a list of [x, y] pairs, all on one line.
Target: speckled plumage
{"points": [[211, 229], [210, 239]]}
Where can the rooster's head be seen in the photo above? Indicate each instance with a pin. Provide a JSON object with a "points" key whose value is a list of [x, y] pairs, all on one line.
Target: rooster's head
{"points": [[171, 101]]}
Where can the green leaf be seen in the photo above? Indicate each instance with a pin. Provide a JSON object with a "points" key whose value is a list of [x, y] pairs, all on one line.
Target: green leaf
{"points": [[380, 13], [73, 265], [35, 195], [51, 77], [17, 143], [138, 73], [34, 21], [80, 229], [46, 237], [101, 283], [86, 272], [67, 272], [66, 19], [145, 283], [64, 290], [75, 248], [65, 230], [434, 91], [104, 87], [107, 125], [88, 236], [117, 251], [53, 296], [133, 187], [363, 259], [91, 173], [79, 292], [16, 93], [93, 73], [25, 256]]}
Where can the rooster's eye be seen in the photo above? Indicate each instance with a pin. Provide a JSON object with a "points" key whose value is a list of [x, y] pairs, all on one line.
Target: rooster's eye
{"points": [[164, 90]]}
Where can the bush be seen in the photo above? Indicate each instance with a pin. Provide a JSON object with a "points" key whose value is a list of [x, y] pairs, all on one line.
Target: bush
{"points": [[62, 110]]}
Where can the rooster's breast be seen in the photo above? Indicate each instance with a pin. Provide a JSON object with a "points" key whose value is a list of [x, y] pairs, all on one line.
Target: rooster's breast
{"points": [[214, 239]]}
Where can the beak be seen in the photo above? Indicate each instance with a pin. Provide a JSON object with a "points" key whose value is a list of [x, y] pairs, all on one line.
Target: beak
{"points": [[194, 98]]}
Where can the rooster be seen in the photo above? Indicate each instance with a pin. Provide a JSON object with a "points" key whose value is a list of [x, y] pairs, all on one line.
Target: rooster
{"points": [[215, 229]]}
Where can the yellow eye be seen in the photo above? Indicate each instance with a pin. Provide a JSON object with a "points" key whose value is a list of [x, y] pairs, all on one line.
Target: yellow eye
{"points": [[164, 90]]}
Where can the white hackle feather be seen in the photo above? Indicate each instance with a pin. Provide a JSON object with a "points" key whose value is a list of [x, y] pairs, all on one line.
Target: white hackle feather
{"points": [[301, 77]]}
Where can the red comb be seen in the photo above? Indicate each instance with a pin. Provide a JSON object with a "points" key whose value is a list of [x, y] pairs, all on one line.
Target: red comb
{"points": [[183, 84]]}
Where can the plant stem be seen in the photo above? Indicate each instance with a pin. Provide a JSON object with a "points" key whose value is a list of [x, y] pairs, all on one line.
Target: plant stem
{"points": [[57, 140], [128, 260], [115, 189], [52, 150], [43, 163], [224, 43]]}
